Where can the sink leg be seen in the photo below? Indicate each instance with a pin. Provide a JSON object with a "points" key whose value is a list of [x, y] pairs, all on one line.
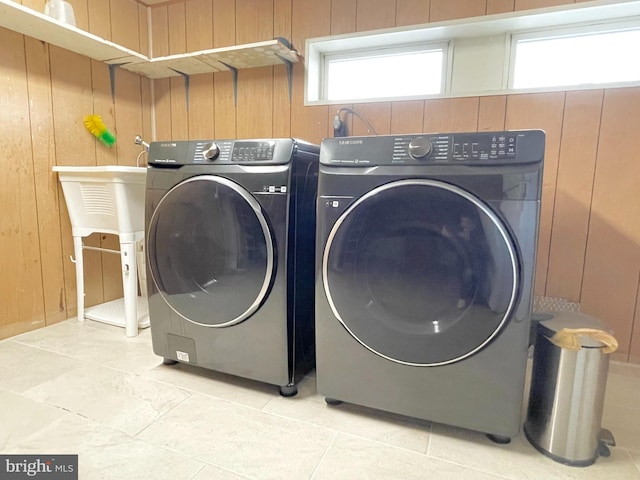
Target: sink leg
{"points": [[77, 250], [130, 287]]}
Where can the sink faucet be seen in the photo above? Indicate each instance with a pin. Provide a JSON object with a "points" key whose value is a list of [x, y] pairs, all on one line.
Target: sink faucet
{"points": [[139, 141]]}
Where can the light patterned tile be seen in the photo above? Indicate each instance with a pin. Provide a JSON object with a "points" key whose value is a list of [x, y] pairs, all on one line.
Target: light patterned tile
{"points": [[214, 473], [622, 407], [356, 458], [519, 460], [107, 454], [635, 456], [625, 369], [20, 417], [107, 346], [624, 423], [622, 392], [395, 430], [66, 330], [24, 367], [220, 385], [124, 401], [66, 365], [241, 439]]}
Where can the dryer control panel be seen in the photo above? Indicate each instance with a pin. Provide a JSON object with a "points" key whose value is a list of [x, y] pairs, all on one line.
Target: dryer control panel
{"points": [[475, 148], [208, 152]]}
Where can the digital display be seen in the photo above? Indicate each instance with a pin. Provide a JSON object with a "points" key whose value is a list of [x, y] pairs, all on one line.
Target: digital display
{"points": [[252, 151]]}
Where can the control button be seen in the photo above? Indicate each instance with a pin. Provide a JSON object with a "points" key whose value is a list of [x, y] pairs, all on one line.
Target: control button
{"points": [[420, 147], [465, 150], [210, 151]]}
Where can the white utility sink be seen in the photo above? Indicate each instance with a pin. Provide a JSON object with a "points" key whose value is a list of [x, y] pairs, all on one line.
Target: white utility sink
{"points": [[109, 199]]}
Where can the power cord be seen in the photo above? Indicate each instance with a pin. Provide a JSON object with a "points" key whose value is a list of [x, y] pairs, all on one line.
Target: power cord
{"points": [[340, 127]]}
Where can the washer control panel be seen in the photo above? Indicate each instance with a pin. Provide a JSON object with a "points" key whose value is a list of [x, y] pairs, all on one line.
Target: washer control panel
{"points": [[487, 148], [209, 152]]}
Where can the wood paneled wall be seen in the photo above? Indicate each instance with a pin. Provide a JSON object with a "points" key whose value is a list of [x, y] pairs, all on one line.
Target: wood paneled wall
{"points": [[589, 247], [45, 92]]}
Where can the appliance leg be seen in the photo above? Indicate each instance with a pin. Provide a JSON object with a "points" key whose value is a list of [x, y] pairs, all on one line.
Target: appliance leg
{"points": [[169, 361], [77, 250], [332, 401], [498, 439], [289, 390], [130, 286]]}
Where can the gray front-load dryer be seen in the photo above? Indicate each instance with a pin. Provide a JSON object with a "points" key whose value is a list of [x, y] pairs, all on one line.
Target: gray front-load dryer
{"points": [[425, 266], [230, 248]]}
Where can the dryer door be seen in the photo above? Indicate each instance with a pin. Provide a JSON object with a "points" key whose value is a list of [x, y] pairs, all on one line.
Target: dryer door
{"points": [[210, 251], [421, 272]]}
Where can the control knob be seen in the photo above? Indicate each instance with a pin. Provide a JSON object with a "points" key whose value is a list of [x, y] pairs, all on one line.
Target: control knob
{"points": [[210, 151], [420, 147]]}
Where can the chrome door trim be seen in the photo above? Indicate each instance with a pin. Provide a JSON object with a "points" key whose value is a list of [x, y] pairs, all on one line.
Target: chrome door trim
{"points": [[253, 203], [458, 191]]}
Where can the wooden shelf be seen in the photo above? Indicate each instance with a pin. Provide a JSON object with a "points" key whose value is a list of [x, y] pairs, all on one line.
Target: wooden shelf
{"points": [[27, 21], [31, 23], [260, 54]]}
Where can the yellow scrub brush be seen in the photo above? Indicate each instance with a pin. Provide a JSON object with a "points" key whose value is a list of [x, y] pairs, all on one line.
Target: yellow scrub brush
{"points": [[99, 130]]}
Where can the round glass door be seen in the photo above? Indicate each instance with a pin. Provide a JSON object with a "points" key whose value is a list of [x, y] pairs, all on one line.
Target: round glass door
{"points": [[421, 272], [210, 251]]}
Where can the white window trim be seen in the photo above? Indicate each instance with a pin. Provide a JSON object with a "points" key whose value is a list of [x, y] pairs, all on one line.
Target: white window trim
{"points": [[558, 33], [401, 49], [464, 32]]}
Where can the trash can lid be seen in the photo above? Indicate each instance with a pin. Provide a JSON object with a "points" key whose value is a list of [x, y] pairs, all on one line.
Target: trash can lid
{"points": [[573, 320]]}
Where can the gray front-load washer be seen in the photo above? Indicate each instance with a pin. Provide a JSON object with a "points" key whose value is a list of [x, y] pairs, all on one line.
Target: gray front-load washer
{"points": [[425, 267], [230, 249]]}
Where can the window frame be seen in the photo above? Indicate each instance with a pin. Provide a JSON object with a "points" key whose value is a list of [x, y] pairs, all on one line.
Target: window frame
{"points": [[357, 54], [480, 48], [567, 32]]}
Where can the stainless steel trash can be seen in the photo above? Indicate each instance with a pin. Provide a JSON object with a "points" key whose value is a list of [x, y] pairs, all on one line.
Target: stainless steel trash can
{"points": [[567, 389]]}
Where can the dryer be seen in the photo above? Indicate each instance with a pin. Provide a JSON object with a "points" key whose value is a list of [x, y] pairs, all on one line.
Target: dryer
{"points": [[230, 230], [425, 268]]}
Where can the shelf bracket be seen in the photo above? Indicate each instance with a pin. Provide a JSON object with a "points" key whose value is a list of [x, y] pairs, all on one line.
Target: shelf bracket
{"points": [[234, 71], [112, 78], [289, 65], [187, 83]]}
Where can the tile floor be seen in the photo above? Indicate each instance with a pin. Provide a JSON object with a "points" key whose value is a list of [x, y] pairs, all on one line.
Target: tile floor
{"points": [[84, 388]]}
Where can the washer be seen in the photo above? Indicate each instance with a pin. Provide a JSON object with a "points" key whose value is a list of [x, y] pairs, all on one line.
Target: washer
{"points": [[230, 256], [425, 267]]}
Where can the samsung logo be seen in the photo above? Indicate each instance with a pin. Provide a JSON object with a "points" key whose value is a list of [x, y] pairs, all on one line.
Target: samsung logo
{"points": [[168, 144], [350, 142]]}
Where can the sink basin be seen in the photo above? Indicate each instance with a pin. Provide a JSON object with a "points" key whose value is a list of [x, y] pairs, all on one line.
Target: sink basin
{"points": [[108, 199]]}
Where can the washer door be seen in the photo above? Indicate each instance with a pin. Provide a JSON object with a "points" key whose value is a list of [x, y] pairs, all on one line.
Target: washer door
{"points": [[421, 272], [211, 253]]}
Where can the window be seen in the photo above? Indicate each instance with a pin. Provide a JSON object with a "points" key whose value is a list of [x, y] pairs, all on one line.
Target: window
{"points": [[581, 45], [575, 58], [405, 72]]}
